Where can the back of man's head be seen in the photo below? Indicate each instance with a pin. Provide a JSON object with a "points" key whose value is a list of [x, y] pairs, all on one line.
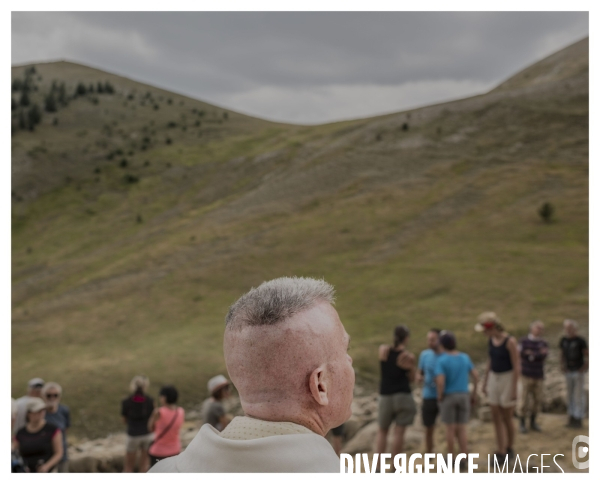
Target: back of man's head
{"points": [[283, 345]]}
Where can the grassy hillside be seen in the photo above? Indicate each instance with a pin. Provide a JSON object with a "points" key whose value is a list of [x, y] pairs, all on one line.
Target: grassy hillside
{"points": [[425, 218]]}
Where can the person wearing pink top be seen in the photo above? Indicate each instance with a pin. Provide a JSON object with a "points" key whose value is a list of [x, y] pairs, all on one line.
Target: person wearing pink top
{"points": [[165, 422]]}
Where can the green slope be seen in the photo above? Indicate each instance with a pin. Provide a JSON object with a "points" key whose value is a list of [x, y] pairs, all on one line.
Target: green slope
{"points": [[426, 226]]}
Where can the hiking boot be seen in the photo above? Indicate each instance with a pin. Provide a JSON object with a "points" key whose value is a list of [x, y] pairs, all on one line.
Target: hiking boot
{"points": [[577, 423], [522, 427], [571, 422], [510, 454], [533, 424], [463, 466]]}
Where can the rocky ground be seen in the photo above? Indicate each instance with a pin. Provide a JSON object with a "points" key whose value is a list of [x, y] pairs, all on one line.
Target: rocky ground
{"points": [[106, 455]]}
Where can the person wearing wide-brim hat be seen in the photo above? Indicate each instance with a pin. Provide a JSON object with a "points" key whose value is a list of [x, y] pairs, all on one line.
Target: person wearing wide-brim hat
{"points": [[213, 411], [500, 380], [39, 442]]}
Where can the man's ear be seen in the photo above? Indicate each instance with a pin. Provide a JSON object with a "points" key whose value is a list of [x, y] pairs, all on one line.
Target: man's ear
{"points": [[318, 387]]}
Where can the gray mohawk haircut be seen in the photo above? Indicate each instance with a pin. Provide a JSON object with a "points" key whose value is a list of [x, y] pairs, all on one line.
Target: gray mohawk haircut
{"points": [[277, 300]]}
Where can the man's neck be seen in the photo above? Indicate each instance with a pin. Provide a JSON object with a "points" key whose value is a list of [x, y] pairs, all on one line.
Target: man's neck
{"points": [[287, 412]]}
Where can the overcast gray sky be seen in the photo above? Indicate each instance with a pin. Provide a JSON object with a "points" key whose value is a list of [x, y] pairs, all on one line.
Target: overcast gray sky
{"points": [[302, 67]]}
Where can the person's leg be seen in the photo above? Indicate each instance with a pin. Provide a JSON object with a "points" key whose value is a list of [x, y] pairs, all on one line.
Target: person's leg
{"points": [[461, 430], [499, 428], [507, 419], [450, 431], [578, 397], [570, 393], [398, 445], [129, 461], [144, 461], [429, 431], [385, 415], [538, 388]]}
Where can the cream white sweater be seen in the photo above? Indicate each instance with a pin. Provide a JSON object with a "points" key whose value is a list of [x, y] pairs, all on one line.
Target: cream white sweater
{"points": [[252, 445]]}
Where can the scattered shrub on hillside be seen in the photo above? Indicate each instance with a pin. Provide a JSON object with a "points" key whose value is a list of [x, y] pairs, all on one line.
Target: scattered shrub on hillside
{"points": [[108, 88], [197, 123], [119, 152], [110, 156], [99, 88], [130, 97], [439, 130], [30, 71], [171, 124], [146, 163], [80, 89], [146, 140], [34, 116], [138, 219], [24, 101], [13, 129], [131, 178], [62, 94], [169, 101], [123, 163], [225, 115], [168, 141], [168, 164], [130, 153], [22, 120], [17, 85], [55, 122], [50, 103], [378, 137], [201, 113], [95, 101], [13, 104], [97, 170], [156, 107], [546, 212], [404, 126], [184, 128]]}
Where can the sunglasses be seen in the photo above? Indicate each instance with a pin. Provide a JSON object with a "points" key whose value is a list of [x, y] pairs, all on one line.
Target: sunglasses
{"points": [[52, 395]]}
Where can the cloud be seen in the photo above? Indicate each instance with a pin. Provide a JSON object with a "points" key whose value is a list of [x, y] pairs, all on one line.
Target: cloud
{"points": [[335, 62], [338, 102]]}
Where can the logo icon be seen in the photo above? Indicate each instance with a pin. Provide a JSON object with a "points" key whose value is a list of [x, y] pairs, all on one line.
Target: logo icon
{"points": [[581, 452]]}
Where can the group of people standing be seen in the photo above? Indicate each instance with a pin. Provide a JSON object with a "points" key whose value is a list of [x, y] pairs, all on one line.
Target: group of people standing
{"points": [[153, 433], [445, 373], [39, 427]]}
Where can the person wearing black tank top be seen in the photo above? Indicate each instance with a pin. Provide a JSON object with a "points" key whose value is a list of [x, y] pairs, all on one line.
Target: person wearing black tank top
{"points": [[500, 380], [396, 403]]}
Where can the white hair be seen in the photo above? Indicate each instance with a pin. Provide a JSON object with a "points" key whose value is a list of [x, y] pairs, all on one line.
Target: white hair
{"points": [[277, 300], [571, 322], [50, 385], [139, 382], [537, 321]]}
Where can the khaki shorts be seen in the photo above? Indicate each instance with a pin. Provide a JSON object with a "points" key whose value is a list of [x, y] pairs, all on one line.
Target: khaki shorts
{"points": [[139, 442], [399, 408], [456, 408], [499, 389]]}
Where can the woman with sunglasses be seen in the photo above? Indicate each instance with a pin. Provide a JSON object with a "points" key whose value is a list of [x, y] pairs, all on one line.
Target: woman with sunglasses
{"points": [[59, 415], [39, 442]]}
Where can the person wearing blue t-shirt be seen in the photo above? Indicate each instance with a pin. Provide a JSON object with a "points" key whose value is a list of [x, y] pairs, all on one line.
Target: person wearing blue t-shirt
{"points": [[452, 371], [426, 376]]}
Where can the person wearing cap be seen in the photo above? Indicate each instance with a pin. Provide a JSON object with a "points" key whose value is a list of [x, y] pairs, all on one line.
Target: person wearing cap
{"points": [[59, 415], [574, 364], [452, 371], [286, 352], [34, 389], [533, 350], [213, 411], [136, 410], [500, 380], [39, 442], [426, 376], [396, 403]]}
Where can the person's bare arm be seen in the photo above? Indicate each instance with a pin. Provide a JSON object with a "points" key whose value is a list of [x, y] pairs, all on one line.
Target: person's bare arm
{"points": [[511, 345], [406, 361], [384, 352], [586, 363], [475, 377], [153, 419], [485, 376], [57, 448], [224, 421], [440, 382]]}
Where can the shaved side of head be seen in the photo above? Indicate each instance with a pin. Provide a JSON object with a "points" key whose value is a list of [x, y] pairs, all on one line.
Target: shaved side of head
{"points": [[276, 336]]}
